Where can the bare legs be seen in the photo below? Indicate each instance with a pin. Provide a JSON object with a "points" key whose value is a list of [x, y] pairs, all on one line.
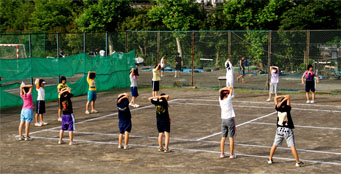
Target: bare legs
{"points": [[92, 106], [27, 128], [293, 150], [61, 132], [155, 93], [126, 138], [222, 145], [167, 135], [312, 95]]}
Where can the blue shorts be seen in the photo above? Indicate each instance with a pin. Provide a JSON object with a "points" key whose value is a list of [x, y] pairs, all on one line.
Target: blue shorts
{"points": [[242, 72], [92, 95], [134, 92], [163, 126], [26, 115], [310, 86], [124, 125]]}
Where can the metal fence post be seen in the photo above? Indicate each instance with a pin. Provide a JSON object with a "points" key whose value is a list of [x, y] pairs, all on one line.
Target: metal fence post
{"points": [[229, 44], [193, 58], [308, 47], [158, 46], [106, 43], [84, 42], [269, 61], [58, 57]]}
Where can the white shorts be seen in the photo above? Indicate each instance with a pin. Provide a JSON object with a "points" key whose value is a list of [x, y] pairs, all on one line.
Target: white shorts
{"points": [[273, 88]]}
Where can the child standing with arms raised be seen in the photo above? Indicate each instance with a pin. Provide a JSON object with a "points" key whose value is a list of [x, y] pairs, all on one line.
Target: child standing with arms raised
{"points": [[309, 76], [68, 119], [40, 105], [133, 87], [228, 122], [162, 119], [124, 116], [26, 115], [285, 127], [92, 96], [274, 70], [156, 80]]}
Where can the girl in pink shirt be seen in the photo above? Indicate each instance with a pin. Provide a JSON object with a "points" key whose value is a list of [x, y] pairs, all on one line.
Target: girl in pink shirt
{"points": [[26, 115]]}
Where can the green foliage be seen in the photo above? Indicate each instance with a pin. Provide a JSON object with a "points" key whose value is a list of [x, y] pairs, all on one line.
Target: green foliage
{"points": [[103, 15], [15, 15], [51, 15], [312, 14]]}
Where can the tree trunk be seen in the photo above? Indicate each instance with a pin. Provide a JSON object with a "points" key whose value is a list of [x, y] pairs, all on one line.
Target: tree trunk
{"points": [[179, 49], [111, 44], [217, 58], [141, 50]]}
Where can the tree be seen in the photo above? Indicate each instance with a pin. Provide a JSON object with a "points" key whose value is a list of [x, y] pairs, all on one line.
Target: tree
{"points": [[52, 15], [177, 16], [15, 15], [312, 14]]}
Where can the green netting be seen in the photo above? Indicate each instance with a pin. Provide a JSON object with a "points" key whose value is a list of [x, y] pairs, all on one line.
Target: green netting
{"points": [[112, 72]]}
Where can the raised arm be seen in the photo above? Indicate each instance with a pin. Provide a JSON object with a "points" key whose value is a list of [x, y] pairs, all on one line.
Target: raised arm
{"points": [[89, 72], [286, 98], [125, 95], [165, 97]]}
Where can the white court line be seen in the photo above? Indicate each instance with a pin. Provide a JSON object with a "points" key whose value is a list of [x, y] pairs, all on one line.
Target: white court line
{"points": [[260, 107], [197, 150], [92, 119], [238, 101], [215, 142], [247, 122], [313, 127]]}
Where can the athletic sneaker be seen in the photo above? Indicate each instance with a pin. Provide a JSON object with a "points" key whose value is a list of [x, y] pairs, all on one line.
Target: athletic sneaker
{"points": [[61, 142], [38, 124], [72, 143], [308, 101], [21, 138], [94, 111], [233, 156], [268, 100], [160, 149], [28, 138], [166, 150], [59, 119], [222, 156], [120, 146], [299, 164], [43, 123], [126, 147], [136, 105], [130, 104], [87, 112], [312, 102], [270, 161]]}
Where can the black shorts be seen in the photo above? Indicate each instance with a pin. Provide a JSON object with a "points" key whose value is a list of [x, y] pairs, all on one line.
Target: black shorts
{"points": [[40, 107], [310, 86], [156, 85], [163, 126], [178, 67]]}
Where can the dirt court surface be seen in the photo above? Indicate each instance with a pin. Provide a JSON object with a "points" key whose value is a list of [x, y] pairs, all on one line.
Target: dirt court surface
{"points": [[195, 137]]}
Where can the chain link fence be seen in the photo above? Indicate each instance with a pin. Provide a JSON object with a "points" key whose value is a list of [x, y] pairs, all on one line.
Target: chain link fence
{"points": [[203, 54]]}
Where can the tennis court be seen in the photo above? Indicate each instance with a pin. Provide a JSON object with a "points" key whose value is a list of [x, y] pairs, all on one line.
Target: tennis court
{"points": [[195, 137]]}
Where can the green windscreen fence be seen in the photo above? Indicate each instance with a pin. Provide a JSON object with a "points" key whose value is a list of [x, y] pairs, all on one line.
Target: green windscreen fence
{"points": [[111, 73]]}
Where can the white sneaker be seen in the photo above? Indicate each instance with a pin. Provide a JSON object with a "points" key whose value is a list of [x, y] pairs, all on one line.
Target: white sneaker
{"points": [[308, 101], [233, 156], [299, 164], [136, 105], [312, 102], [120, 146], [72, 143], [270, 161], [166, 150], [28, 138], [160, 149], [268, 100], [38, 124], [222, 156], [21, 138], [94, 111], [43, 123], [126, 147], [61, 142], [87, 112], [59, 119], [130, 104]]}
